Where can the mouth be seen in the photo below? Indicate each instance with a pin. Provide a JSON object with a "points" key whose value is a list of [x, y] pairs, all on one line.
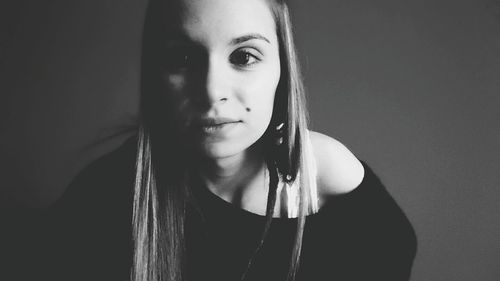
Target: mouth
{"points": [[219, 124], [218, 121]]}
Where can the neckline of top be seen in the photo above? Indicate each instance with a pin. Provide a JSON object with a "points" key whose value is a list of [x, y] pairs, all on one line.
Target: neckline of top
{"points": [[223, 204]]}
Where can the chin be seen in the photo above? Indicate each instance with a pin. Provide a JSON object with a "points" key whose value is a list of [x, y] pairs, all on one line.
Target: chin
{"points": [[221, 150], [226, 149]]}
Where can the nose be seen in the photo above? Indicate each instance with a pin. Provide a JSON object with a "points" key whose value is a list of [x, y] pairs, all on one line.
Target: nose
{"points": [[216, 83]]}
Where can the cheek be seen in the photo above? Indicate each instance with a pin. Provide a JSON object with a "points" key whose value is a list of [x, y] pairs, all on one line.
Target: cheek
{"points": [[174, 82], [260, 94], [175, 86]]}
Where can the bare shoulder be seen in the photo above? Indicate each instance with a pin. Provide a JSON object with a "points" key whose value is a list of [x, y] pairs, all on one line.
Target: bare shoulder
{"points": [[339, 171]]}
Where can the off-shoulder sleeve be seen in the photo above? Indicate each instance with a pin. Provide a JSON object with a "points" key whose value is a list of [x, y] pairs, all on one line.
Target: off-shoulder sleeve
{"points": [[371, 230]]}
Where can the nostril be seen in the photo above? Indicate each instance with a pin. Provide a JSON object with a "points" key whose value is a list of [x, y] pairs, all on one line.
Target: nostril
{"points": [[223, 99]]}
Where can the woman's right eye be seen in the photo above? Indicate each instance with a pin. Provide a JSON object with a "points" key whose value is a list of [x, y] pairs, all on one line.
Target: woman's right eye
{"points": [[177, 59]]}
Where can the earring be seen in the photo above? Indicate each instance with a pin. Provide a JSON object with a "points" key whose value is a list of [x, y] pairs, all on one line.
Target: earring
{"points": [[281, 165], [279, 134]]}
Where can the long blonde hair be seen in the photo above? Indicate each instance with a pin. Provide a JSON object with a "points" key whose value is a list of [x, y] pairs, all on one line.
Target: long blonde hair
{"points": [[161, 190]]}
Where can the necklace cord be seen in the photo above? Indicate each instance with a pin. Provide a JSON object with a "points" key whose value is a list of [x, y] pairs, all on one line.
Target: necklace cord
{"points": [[271, 202]]}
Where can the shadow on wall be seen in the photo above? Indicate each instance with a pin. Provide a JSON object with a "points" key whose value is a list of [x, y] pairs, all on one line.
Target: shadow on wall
{"points": [[70, 73]]}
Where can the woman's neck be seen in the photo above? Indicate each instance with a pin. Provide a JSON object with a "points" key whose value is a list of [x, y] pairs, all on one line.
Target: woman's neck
{"points": [[230, 177]]}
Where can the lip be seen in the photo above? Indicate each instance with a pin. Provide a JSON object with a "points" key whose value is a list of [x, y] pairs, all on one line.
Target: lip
{"points": [[217, 121], [218, 126]]}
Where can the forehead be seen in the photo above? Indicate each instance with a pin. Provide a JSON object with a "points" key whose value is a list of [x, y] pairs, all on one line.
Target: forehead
{"points": [[216, 20]]}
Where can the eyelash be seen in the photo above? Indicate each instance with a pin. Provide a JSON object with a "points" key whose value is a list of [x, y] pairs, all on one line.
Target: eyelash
{"points": [[249, 55], [179, 59], [175, 60]]}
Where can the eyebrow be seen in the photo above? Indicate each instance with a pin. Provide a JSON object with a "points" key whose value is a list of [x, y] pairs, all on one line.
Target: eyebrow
{"points": [[248, 37]]}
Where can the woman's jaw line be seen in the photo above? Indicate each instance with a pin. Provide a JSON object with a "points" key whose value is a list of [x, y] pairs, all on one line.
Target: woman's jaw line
{"points": [[231, 167]]}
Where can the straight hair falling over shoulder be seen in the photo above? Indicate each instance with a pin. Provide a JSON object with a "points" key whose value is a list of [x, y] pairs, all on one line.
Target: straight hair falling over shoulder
{"points": [[291, 90], [161, 189]]}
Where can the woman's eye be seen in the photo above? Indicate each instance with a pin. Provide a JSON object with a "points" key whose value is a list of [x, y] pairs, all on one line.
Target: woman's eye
{"points": [[243, 58], [175, 60], [182, 58]]}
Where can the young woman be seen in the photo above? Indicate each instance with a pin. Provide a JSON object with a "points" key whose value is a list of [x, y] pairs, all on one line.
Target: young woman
{"points": [[229, 182]]}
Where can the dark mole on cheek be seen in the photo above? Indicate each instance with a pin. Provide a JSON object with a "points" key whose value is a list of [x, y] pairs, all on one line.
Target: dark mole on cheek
{"points": [[248, 109]]}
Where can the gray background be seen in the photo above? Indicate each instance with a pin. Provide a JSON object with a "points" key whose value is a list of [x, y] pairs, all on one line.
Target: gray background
{"points": [[412, 87]]}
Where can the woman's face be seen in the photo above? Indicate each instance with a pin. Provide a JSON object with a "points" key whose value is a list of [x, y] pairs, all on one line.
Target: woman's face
{"points": [[221, 71]]}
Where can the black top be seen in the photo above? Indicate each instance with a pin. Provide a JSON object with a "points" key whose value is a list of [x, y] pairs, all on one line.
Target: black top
{"points": [[361, 235]]}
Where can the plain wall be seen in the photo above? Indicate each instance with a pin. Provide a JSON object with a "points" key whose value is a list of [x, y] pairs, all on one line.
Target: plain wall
{"points": [[411, 87]]}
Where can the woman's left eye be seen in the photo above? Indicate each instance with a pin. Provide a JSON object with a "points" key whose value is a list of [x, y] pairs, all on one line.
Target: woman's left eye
{"points": [[243, 58]]}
